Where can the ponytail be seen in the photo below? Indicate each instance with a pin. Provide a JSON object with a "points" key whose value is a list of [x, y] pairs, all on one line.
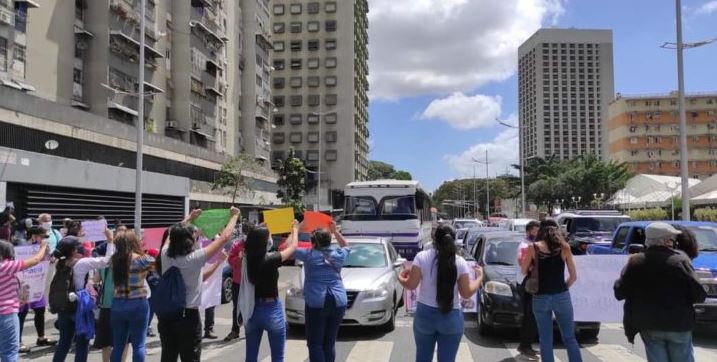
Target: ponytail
{"points": [[447, 275]]}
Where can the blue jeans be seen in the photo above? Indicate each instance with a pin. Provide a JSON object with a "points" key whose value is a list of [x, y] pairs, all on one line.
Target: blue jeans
{"points": [[269, 317], [66, 325], [129, 322], [430, 326], [544, 305], [668, 346], [322, 326], [10, 337]]}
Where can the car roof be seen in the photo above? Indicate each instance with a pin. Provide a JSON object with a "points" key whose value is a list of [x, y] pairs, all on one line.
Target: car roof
{"points": [[676, 222], [367, 240]]}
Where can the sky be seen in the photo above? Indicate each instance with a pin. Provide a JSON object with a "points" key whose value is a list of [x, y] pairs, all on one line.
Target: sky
{"points": [[442, 72]]}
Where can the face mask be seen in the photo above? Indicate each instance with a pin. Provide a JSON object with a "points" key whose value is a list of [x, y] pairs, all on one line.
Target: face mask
{"points": [[531, 238], [47, 225]]}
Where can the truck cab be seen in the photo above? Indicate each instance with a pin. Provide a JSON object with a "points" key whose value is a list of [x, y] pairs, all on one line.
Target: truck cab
{"points": [[584, 228]]}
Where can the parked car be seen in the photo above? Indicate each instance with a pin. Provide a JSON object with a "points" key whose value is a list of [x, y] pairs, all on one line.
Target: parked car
{"points": [[370, 275], [461, 236], [586, 227], [227, 284], [466, 223], [517, 224], [473, 234], [630, 238]]}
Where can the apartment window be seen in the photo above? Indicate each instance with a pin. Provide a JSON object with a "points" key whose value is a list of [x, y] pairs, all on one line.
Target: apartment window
{"points": [[296, 100], [278, 101], [279, 64], [295, 119], [330, 44], [278, 83], [331, 155], [330, 25], [278, 46], [295, 82], [296, 27], [331, 99], [313, 81], [312, 137], [330, 7], [295, 137], [312, 156], [331, 62], [331, 136], [296, 64], [277, 156], [296, 45], [277, 138], [313, 45], [299, 154], [312, 119], [330, 118], [296, 9], [313, 63], [279, 9], [313, 26], [279, 28], [3, 54], [314, 100], [330, 81], [77, 75], [279, 119], [18, 63], [313, 8]]}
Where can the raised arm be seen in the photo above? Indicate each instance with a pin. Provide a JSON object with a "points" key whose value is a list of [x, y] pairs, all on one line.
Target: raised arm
{"points": [[208, 271], [291, 243], [193, 215], [568, 257], [468, 287], [339, 238], [218, 243], [37, 258]]}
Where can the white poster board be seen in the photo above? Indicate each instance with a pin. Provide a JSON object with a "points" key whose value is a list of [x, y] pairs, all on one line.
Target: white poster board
{"points": [[94, 230], [592, 294], [212, 288], [32, 280]]}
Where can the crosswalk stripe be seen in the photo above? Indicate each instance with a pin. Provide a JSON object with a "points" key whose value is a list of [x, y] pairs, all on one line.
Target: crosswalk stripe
{"points": [[463, 355], [370, 351], [613, 352], [705, 354], [294, 351], [611, 326], [513, 350]]}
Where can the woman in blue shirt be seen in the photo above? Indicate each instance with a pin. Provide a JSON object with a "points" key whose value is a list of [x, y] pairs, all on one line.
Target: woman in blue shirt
{"points": [[324, 292]]}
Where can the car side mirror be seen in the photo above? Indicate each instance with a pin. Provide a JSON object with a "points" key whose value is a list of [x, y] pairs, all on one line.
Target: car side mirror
{"points": [[399, 263], [564, 230], [635, 248]]}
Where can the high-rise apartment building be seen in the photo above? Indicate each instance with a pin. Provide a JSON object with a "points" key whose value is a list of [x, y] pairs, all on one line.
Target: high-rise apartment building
{"points": [[643, 130], [14, 43], [565, 82], [320, 89]]}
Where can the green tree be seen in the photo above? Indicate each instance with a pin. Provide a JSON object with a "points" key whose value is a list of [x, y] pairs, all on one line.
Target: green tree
{"points": [[291, 182], [231, 178], [378, 170], [402, 175]]}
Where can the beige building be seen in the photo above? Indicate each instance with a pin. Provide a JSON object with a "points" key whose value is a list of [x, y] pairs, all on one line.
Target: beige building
{"points": [[319, 87], [14, 43], [643, 130], [565, 81]]}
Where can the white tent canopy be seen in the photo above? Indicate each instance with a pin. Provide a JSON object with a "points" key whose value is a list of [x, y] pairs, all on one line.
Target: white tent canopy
{"points": [[646, 190]]}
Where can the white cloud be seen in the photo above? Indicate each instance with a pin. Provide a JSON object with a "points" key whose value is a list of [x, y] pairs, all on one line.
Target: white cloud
{"points": [[465, 112], [441, 46], [502, 154], [707, 8]]}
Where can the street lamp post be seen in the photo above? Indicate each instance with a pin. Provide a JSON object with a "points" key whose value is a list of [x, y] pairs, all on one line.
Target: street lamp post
{"points": [[599, 197], [487, 184], [521, 160], [576, 200], [140, 128], [321, 141]]}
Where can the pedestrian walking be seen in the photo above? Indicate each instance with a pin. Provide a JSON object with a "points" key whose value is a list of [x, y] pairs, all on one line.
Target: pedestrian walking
{"points": [[259, 295], [660, 288], [528, 328], [35, 236], [236, 256], [130, 308], [67, 290], [324, 292], [9, 299], [548, 258], [181, 333], [441, 276]]}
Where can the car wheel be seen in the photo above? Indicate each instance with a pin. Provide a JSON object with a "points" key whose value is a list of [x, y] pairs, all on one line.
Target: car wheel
{"points": [[294, 328], [483, 328], [390, 326], [227, 290]]}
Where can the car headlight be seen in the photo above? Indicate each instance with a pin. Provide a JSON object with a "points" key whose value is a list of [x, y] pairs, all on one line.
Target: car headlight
{"points": [[375, 293], [379, 289], [295, 292], [498, 288]]}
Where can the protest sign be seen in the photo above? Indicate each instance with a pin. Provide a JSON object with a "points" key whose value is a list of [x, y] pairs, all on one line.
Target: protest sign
{"points": [[152, 237], [279, 221], [467, 305], [32, 280], [211, 222], [592, 294], [315, 220], [212, 288], [94, 230]]}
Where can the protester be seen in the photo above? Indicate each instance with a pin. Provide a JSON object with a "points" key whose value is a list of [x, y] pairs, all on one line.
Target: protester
{"points": [[550, 254], [528, 328], [69, 281], [103, 328], [181, 335], [54, 236], [22, 230], [236, 255], [35, 237], [9, 302], [324, 292], [259, 300], [152, 281], [686, 241], [130, 308], [207, 273], [660, 288], [7, 219], [441, 276]]}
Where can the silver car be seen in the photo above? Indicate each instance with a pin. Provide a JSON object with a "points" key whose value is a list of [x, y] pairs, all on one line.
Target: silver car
{"points": [[370, 276]]}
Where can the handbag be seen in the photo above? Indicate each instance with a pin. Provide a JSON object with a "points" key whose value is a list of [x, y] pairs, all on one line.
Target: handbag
{"points": [[532, 283]]}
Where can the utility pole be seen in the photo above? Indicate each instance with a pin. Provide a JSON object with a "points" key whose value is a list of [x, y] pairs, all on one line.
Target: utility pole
{"points": [[684, 172], [140, 128], [487, 183]]}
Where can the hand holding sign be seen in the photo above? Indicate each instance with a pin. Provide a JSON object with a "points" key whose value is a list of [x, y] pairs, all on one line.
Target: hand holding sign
{"points": [[211, 222], [94, 229], [279, 221]]}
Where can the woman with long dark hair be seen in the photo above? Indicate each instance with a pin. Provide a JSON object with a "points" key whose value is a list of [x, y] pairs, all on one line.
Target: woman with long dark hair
{"points": [[686, 242], [551, 253], [130, 308], [442, 276], [259, 300]]}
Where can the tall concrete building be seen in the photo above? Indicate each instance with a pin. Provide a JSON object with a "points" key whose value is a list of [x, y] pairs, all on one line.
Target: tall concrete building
{"points": [[319, 90], [565, 82], [643, 130], [14, 43]]}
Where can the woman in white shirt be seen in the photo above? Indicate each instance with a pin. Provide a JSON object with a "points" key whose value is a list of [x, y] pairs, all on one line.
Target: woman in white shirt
{"points": [[441, 277]]}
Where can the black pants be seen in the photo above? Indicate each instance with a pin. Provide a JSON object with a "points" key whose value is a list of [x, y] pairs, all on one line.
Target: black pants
{"points": [[181, 337], [39, 321], [528, 328], [209, 320], [236, 319]]}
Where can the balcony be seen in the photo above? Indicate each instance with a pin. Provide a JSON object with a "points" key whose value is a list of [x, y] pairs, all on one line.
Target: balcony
{"points": [[213, 85], [125, 103], [7, 15], [132, 41], [204, 20]]}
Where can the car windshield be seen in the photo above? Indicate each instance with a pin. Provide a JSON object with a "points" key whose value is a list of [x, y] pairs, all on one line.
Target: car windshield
{"points": [[366, 256], [464, 224], [599, 224], [706, 237], [398, 208], [461, 234], [502, 251]]}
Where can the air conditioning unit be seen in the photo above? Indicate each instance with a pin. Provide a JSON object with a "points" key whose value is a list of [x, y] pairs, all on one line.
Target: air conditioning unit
{"points": [[81, 45], [196, 125], [171, 124], [7, 17]]}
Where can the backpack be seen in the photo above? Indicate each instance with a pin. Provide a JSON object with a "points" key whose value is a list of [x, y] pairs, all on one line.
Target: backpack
{"points": [[60, 289], [170, 296]]}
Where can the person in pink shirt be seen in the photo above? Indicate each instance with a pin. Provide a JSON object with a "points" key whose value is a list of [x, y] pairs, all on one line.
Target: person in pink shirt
{"points": [[9, 302], [236, 254]]}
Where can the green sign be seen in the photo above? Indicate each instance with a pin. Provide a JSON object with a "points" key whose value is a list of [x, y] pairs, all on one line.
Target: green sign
{"points": [[212, 222]]}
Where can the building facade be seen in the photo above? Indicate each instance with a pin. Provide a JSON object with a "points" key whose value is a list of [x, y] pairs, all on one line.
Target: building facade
{"points": [[643, 130], [319, 87], [14, 43], [565, 82]]}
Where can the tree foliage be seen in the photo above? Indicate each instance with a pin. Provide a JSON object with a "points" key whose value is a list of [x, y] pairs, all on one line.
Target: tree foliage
{"points": [[378, 170], [291, 182], [231, 179], [471, 190]]}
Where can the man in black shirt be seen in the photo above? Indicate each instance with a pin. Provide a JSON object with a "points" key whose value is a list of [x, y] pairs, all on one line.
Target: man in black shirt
{"points": [[528, 329]]}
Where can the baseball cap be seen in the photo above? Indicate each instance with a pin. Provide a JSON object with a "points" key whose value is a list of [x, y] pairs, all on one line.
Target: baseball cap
{"points": [[660, 230]]}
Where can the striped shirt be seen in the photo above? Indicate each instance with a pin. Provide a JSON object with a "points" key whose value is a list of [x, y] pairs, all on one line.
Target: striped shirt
{"points": [[136, 286], [9, 303]]}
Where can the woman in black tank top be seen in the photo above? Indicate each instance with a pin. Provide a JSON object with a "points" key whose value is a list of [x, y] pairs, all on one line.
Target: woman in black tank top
{"points": [[551, 254]]}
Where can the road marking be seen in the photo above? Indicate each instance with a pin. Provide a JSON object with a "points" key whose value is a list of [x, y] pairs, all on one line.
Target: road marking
{"points": [[613, 352], [611, 326], [294, 351], [513, 350], [408, 323], [705, 354], [464, 353], [370, 351], [219, 321]]}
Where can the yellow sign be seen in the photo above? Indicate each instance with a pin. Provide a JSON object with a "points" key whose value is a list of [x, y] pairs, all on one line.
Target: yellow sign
{"points": [[279, 221]]}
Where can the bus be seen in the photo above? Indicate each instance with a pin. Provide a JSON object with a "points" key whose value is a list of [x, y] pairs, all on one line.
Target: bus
{"points": [[397, 210]]}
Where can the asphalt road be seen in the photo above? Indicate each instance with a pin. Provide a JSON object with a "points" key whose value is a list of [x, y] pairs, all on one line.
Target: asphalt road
{"points": [[361, 344]]}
